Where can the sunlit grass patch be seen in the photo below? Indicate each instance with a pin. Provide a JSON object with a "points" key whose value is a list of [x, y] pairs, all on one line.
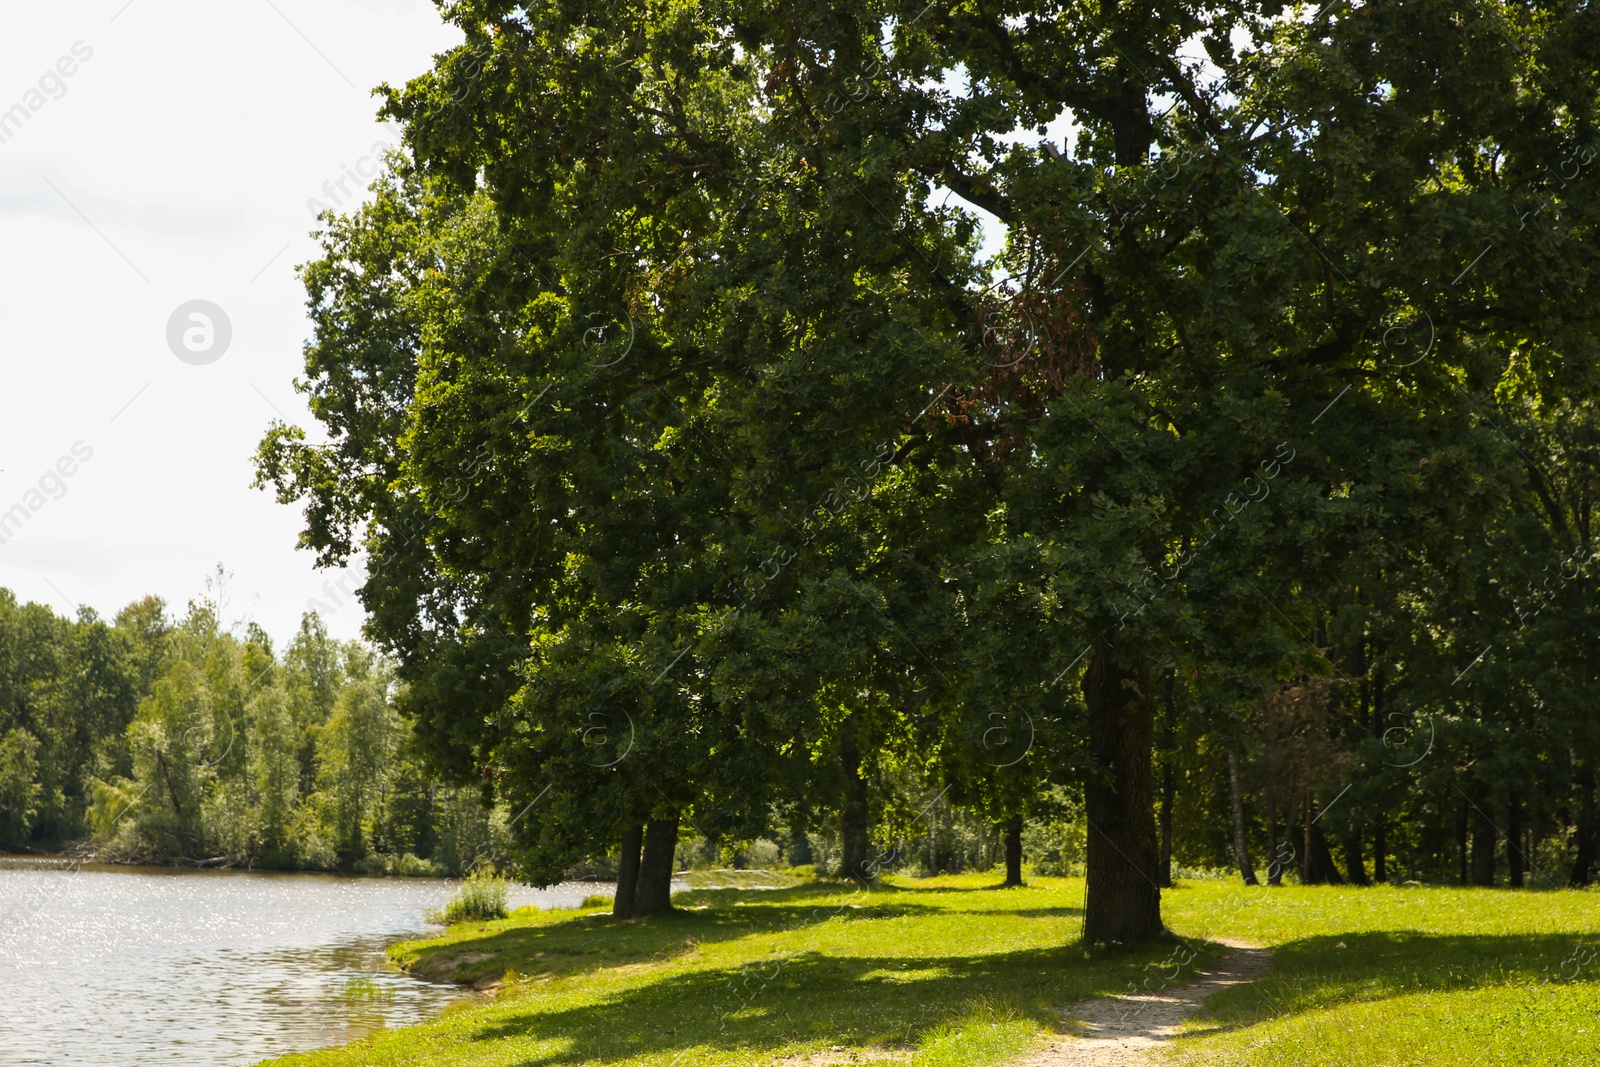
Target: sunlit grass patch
{"points": [[1402, 975], [936, 971], [953, 971]]}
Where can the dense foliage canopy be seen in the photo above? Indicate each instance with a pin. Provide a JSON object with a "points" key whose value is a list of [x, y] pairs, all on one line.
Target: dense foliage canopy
{"points": [[741, 407]]}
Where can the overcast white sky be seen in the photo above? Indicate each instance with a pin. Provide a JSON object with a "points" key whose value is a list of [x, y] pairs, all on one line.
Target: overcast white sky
{"points": [[174, 164]]}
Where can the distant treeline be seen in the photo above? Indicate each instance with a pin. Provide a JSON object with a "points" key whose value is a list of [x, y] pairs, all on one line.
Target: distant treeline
{"points": [[173, 740]]}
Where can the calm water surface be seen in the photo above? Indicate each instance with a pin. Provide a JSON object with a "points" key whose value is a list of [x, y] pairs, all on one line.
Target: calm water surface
{"points": [[122, 968]]}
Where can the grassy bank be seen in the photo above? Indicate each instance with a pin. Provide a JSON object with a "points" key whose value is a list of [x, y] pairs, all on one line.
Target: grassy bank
{"points": [[1406, 977], [953, 971], [947, 971]]}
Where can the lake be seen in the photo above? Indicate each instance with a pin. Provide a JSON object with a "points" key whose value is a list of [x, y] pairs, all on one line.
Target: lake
{"points": [[124, 967]]}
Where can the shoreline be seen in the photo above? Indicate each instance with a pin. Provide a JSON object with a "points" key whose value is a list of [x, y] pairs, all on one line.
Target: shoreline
{"points": [[68, 861]]}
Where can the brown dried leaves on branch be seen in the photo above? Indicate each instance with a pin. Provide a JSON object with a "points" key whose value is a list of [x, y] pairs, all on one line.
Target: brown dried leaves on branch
{"points": [[1035, 340]]}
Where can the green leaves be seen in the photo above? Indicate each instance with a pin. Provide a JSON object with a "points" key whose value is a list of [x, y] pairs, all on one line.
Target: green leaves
{"points": [[667, 378]]}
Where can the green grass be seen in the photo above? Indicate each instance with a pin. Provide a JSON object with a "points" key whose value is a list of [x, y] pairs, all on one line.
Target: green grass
{"points": [[952, 971], [949, 971], [482, 896], [1402, 976]]}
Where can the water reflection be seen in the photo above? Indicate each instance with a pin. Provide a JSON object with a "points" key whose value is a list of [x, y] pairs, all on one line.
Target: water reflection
{"points": [[111, 966]]}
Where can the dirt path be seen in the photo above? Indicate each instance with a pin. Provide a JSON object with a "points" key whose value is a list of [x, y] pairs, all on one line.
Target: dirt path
{"points": [[1122, 1031]]}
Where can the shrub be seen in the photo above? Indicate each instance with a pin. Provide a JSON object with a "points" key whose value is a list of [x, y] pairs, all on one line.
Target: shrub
{"points": [[1055, 847], [481, 897], [696, 854], [409, 866], [761, 855], [826, 851]]}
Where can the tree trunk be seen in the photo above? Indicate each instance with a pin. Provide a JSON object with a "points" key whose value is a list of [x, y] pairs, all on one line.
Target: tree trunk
{"points": [[1308, 865], [1515, 859], [1483, 842], [1319, 868], [854, 832], [624, 904], [1354, 866], [1583, 862], [1316, 864], [1380, 840], [1168, 793], [1538, 821], [1013, 846], [1461, 837], [1168, 784], [654, 895], [1275, 858], [1241, 846], [1122, 900], [1012, 835]]}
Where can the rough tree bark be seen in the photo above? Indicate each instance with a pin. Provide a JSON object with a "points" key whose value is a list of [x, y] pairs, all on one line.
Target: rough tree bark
{"points": [[624, 904], [854, 833], [654, 895], [1241, 847], [1123, 901], [1380, 853], [1014, 850]]}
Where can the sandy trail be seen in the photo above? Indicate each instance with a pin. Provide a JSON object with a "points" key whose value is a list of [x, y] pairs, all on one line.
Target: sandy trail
{"points": [[1124, 1030]]}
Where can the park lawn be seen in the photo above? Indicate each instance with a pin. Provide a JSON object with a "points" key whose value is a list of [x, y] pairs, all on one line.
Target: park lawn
{"points": [[953, 971], [946, 971], [1401, 977]]}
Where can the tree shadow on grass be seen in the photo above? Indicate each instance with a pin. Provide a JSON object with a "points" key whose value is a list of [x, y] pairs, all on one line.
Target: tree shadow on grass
{"points": [[812, 999], [1032, 913], [1316, 972], [807, 998], [594, 942], [847, 901]]}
